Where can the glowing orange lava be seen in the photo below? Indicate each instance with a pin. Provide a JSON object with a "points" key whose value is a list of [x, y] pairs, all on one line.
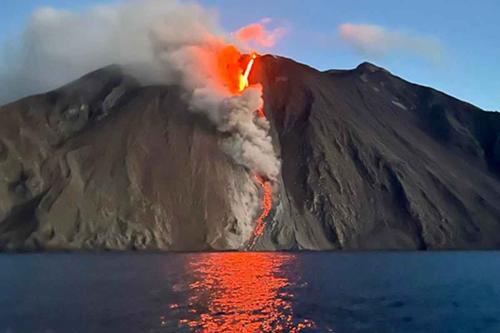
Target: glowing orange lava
{"points": [[229, 69], [267, 204], [243, 81], [260, 113], [267, 191]]}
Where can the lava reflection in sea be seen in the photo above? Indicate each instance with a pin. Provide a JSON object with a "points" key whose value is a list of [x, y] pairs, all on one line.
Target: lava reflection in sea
{"points": [[242, 292]]}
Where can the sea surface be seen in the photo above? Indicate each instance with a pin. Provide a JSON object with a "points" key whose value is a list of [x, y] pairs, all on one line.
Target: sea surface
{"points": [[251, 292]]}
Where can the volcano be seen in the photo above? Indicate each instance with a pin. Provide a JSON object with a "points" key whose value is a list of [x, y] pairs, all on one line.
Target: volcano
{"points": [[368, 161]]}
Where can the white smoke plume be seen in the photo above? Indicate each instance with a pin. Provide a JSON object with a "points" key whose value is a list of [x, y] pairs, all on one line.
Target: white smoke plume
{"points": [[166, 42], [58, 46], [249, 143], [246, 202]]}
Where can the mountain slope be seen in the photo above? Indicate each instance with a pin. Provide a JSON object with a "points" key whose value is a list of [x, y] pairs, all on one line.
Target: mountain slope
{"points": [[372, 161], [104, 163], [369, 161]]}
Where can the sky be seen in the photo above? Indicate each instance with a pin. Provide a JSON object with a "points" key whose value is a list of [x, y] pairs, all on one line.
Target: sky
{"points": [[453, 46]]}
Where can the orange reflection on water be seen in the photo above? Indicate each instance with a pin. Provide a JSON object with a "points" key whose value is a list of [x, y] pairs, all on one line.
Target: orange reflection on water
{"points": [[242, 292]]}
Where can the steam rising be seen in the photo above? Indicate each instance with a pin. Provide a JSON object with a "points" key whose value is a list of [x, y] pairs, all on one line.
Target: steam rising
{"points": [[166, 42], [249, 145]]}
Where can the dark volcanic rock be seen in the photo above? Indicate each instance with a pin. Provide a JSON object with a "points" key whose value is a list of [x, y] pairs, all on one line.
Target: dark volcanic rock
{"points": [[369, 161], [104, 163]]}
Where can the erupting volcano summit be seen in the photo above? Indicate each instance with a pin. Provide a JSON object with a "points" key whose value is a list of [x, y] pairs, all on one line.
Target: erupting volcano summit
{"points": [[247, 125], [366, 161], [264, 184]]}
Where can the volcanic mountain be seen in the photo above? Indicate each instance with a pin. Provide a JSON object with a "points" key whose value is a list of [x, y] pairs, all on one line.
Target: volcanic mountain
{"points": [[368, 161]]}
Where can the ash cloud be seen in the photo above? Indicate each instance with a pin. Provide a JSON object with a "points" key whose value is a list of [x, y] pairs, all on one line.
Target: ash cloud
{"points": [[376, 41], [58, 46], [159, 42]]}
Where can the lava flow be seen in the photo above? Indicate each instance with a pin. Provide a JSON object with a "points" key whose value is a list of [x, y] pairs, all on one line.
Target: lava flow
{"points": [[267, 204], [243, 81], [265, 185]]}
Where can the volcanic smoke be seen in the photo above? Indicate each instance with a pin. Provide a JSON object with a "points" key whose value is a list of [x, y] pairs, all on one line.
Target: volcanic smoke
{"points": [[261, 178], [267, 191], [212, 68], [168, 42]]}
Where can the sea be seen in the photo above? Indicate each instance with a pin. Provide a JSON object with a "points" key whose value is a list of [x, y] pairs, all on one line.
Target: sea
{"points": [[338, 292]]}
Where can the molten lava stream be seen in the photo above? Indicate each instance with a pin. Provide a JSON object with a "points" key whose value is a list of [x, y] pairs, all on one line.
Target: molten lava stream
{"points": [[243, 81], [267, 204], [265, 185]]}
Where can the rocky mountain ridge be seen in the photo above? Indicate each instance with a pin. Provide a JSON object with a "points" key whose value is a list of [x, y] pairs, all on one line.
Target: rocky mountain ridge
{"points": [[369, 161]]}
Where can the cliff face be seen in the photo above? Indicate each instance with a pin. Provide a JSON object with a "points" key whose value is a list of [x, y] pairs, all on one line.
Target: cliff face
{"points": [[369, 161]]}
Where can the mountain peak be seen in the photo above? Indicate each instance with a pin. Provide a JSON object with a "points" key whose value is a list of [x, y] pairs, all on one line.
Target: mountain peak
{"points": [[369, 67]]}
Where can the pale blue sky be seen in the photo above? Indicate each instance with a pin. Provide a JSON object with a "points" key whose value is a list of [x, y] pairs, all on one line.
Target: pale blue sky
{"points": [[469, 33]]}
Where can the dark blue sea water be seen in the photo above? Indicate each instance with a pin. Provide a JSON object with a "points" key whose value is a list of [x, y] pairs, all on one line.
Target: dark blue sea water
{"points": [[250, 292]]}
